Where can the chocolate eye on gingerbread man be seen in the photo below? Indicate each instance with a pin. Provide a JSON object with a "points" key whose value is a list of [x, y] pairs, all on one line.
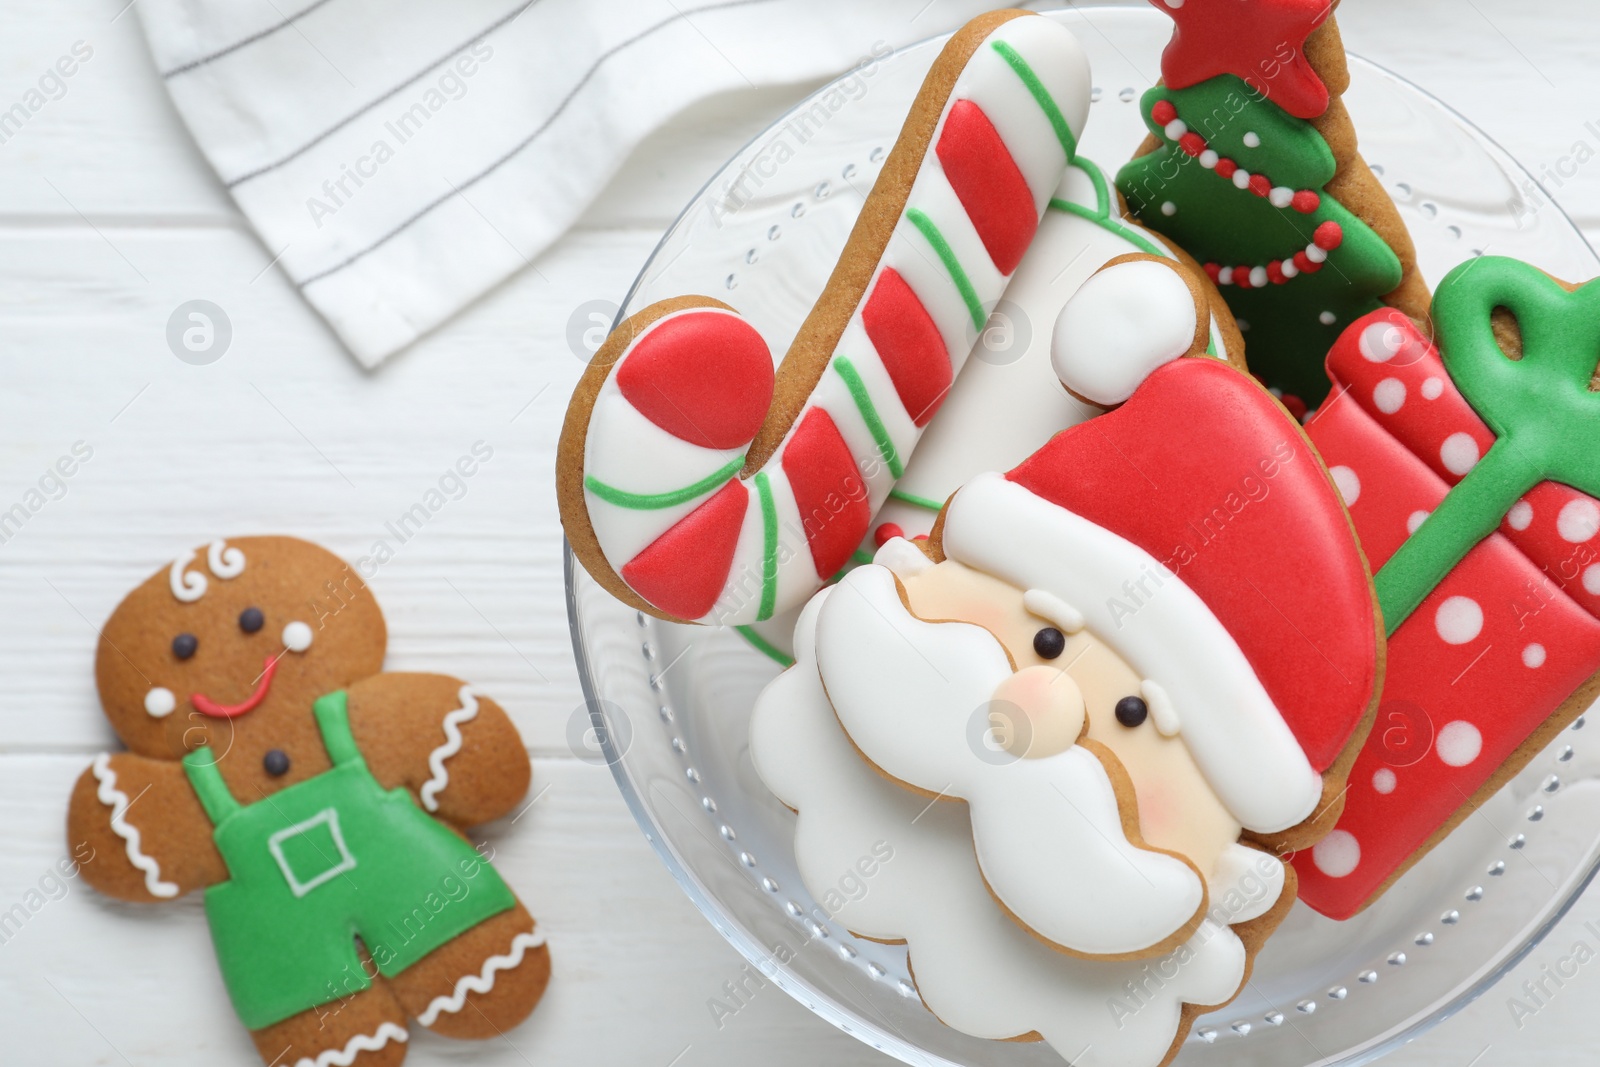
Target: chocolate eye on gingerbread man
{"points": [[1132, 711], [184, 645], [1049, 642], [251, 620]]}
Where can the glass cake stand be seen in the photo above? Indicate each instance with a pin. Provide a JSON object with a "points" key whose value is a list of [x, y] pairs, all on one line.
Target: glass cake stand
{"points": [[671, 704]]}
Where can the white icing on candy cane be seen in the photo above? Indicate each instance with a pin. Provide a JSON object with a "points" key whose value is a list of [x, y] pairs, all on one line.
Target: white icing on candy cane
{"points": [[344, 1057], [224, 560], [483, 981], [976, 969], [1048, 831], [639, 476], [452, 744], [115, 799]]}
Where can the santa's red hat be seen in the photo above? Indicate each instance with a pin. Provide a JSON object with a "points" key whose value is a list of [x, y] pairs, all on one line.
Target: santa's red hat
{"points": [[1197, 533]]}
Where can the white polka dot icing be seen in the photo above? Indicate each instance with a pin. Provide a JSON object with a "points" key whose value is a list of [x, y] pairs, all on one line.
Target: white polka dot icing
{"points": [[1533, 655], [1389, 395], [1337, 854], [1591, 579], [1381, 342], [1578, 521], [159, 703], [297, 636], [1520, 515], [1458, 620], [1347, 482], [1383, 780], [1252, 139], [1432, 389], [1415, 520], [1459, 453], [1459, 743]]}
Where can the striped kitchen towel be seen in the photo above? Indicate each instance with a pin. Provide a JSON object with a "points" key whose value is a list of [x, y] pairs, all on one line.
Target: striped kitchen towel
{"points": [[401, 157]]}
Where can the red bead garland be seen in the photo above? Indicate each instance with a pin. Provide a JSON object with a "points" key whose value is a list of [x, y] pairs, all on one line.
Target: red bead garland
{"points": [[1193, 145]]}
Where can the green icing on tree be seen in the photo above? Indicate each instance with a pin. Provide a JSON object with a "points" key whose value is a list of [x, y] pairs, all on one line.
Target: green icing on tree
{"points": [[1545, 416], [1291, 325]]}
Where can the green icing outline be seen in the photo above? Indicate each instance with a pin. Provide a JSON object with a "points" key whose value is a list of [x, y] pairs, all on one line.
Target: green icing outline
{"points": [[765, 647], [1041, 96], [869, 414], [622, 498], [947, 255], [769, 547]]}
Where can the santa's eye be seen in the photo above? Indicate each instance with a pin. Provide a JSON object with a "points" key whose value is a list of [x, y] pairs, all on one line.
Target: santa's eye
{"points": [[184, 645], [1048, 643], [251, 620], [1132, 711]]}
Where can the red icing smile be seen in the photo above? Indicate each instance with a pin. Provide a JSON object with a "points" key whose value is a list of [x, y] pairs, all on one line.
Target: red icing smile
{"points": [[206, 706]]}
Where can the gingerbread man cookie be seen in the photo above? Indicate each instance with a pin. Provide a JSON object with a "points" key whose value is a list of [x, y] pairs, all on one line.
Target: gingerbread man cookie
{"points": [[700, 486], [317, 802], [1095, 653]]}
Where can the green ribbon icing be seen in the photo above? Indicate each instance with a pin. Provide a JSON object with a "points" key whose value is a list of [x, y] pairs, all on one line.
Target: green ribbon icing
{"points": [[322, 861], [1544, 415], [1218, 223]]}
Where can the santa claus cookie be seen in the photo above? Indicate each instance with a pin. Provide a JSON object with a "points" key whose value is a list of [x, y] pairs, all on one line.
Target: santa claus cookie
{"points": [[318, 803], [1471, 471], [1251, 166], [698, 485], [1096, 652]]}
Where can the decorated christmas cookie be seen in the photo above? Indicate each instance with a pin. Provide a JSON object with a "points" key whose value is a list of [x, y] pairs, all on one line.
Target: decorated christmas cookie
{"points": [[1251, 166], [318, 803], [1090, 653], [1471, 472], [1008, 399], [699, 485]]}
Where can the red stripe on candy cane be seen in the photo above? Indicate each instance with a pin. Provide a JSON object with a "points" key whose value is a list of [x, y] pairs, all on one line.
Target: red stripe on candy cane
{"points": [[988, 183]]}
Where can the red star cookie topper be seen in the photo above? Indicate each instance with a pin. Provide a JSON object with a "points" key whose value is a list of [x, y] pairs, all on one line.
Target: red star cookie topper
{"points": [[1261, 41]]}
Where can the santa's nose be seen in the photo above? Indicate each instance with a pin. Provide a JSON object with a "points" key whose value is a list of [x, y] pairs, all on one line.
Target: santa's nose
{"points": [[1037, 712]]}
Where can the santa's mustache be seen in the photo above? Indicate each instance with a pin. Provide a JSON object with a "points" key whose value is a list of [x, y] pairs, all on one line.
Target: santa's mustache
{"points": [[1058, 850]]}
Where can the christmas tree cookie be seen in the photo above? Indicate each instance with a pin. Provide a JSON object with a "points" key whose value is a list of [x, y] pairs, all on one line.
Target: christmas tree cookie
{"points": [[1471, 472], [1251, 166]]}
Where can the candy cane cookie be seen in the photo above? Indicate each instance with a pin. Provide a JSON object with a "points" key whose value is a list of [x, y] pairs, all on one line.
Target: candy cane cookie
{"points": [[698, 484]]}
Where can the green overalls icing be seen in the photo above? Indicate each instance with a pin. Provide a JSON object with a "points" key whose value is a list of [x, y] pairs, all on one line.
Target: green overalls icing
{"points": [[315, 865]]}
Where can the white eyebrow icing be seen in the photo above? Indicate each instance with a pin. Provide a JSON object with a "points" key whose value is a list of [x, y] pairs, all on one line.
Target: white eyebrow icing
{"points": [[1051, 608], [1161, 709]]}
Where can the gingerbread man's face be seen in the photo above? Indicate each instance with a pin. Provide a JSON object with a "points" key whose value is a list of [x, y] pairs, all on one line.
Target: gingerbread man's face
{"points": [[231, 643]]}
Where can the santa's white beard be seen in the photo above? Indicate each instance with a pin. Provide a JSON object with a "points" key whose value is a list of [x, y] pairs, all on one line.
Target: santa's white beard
{"points": [[976, 968], [1048, 831]]}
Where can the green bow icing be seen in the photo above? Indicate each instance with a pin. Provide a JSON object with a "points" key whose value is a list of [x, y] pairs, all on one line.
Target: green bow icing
{"points": [[1544, 414]]}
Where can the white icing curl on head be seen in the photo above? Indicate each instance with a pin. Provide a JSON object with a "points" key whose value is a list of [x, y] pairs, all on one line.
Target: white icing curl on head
{"points": [[225, 562]]}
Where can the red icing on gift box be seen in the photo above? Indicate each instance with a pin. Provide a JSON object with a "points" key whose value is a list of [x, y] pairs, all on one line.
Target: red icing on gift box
{"points": [[1489, 655]]}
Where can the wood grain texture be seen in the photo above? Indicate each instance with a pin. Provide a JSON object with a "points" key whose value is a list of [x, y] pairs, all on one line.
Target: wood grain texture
{"points": [[109, 220]]}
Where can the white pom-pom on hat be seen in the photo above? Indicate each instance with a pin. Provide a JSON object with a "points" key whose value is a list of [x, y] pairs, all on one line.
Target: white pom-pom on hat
{"points": [[1124, 322]]}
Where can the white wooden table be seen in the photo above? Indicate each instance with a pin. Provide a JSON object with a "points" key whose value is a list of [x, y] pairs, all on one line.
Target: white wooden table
{"points": [[109, 220]]}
